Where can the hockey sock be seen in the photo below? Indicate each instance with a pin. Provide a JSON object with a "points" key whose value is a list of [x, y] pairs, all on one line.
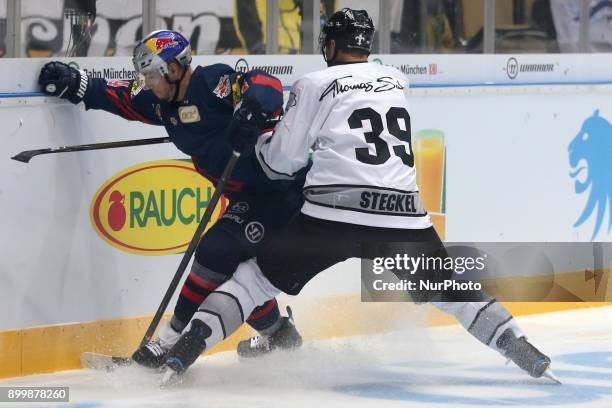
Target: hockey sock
{"points": [[266, 318], [224, 310], [200, 283]]}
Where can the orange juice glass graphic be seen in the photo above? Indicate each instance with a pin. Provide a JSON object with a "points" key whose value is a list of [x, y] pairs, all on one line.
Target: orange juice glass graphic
{"points": [[429, 158]]}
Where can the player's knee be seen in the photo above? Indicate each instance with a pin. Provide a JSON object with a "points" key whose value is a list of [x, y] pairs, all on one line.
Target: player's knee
{"points": [[251, 280]]}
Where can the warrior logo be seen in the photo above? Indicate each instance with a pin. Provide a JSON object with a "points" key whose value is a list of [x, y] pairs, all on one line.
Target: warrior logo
{"points": [[590, 153], [241, 65], [254, 231], [512, 68]]}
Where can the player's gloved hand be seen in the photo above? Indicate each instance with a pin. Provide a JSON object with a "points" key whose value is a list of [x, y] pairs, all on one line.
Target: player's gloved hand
{"points": [[64, 81], [246, 125]]}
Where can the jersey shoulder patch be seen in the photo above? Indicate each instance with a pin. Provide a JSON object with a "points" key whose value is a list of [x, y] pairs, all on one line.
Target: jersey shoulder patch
{"points": [[217, 78], [224, 87]]}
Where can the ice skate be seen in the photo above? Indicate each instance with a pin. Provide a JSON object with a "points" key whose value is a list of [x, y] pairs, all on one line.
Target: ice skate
{"points": [[186, 350], [153, 354], [285, 338], [525, 355]]}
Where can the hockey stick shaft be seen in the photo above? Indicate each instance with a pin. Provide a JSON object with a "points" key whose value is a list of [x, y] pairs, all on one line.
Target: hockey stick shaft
{"points": [[229, 167], [27, 155]]}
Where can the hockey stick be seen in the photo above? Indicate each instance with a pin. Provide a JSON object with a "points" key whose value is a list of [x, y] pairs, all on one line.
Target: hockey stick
{"points": [[27, 155], [97, 361], [229, 167]]}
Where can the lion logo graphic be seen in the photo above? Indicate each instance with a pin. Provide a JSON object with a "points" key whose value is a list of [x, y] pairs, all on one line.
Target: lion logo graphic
{"points": [[591, 151]]}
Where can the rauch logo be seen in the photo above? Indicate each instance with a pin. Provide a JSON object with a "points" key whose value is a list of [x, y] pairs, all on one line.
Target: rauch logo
{"points": [[152, 208]]}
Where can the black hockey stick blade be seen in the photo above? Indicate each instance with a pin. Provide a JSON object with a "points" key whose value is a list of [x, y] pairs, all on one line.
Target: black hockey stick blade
{"points": [[27, 155], [97, 361]]}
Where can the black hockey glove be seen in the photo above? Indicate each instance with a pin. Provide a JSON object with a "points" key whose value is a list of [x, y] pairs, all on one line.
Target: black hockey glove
{"points": [[247, 124], [59, 79]]}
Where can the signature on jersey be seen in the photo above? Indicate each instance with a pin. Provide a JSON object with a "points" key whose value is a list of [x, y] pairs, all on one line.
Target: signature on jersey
{"points": [[382, 84]]}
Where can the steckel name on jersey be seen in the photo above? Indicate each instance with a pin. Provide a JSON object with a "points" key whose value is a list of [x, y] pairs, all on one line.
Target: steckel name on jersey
{"points": [[355, 119]]}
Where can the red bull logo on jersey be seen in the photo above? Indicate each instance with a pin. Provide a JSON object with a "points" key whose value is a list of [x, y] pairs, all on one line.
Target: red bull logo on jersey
{"points": [[152, 208]]}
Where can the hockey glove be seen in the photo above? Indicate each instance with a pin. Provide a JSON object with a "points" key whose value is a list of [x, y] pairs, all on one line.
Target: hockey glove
{"points": [[247, 124], [64, 81]]}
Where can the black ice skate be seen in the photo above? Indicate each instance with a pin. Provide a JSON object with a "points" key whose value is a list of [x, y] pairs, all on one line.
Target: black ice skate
{"points": [[285, 338], [525, 355], [186, 351], [152, 355]]}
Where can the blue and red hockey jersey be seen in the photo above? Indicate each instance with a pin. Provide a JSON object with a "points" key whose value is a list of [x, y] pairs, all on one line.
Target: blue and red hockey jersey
{"points": [[197, 125]]}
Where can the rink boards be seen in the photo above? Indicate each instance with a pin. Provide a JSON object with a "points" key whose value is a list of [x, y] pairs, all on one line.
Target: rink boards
{"points": [[79, 263]]}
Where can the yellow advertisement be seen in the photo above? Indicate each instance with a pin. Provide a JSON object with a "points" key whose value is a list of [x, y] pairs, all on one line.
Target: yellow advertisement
{"points": [[152, 208]]}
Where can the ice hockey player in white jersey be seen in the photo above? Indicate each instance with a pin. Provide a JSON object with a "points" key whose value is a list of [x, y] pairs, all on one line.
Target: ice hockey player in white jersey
{"points": [[355, 115], [361, 188]]}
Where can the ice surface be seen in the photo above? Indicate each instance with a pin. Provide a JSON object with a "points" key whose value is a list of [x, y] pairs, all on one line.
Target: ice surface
{"points": [[434, 367]]}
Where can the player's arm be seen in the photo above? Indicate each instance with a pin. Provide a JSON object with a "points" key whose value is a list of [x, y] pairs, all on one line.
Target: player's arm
{"points": [[284, 153], [264, 88], [124, 98], [258, 110]]}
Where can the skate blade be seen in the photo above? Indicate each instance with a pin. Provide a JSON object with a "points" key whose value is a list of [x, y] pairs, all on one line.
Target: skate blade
{"points": [[549, 374], [169, 378]]}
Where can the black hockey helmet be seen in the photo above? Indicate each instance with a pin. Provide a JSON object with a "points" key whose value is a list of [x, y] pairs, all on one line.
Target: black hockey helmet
{"points": [[350, 29]]}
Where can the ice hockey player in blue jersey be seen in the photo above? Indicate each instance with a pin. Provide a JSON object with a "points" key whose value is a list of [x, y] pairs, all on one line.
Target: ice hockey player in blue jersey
{"points": [[201, 109]]}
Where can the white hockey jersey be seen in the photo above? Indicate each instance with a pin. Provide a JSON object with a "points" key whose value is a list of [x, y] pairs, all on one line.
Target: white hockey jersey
{"points": [[355, 119]]}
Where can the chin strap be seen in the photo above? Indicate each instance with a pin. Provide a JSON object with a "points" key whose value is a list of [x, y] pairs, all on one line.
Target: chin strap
{"points": [[176, 84]]}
